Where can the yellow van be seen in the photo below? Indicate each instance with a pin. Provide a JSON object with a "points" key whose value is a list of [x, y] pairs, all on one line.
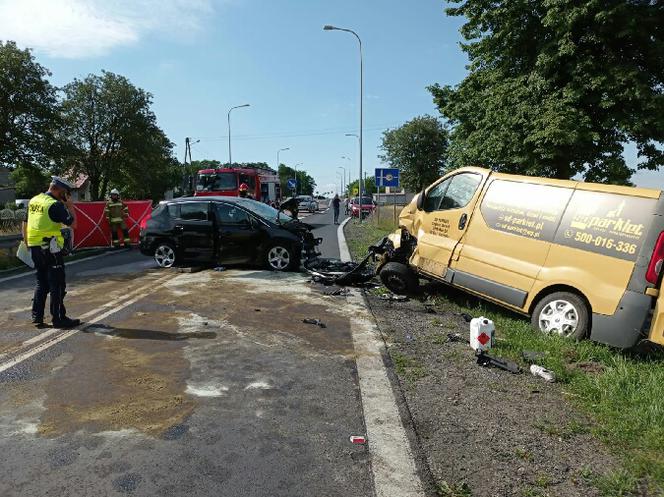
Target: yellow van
{"points": [[581, 259]]}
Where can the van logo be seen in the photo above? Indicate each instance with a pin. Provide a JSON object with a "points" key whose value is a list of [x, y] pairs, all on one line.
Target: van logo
{"points": [[619, 225]]}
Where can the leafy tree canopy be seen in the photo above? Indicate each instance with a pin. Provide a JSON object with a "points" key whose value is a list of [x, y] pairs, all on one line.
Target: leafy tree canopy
{"points": [[111, 135], [29, 180], [28, 108], [557, 87], [418, 149], [305, 183]]}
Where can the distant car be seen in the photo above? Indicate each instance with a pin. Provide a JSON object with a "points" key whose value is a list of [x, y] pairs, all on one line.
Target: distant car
{"points": [[225, 230], [307, 203], [368, 206]]}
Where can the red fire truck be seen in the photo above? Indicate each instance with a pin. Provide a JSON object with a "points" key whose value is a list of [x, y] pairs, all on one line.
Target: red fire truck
{"points": [[263, 183]]}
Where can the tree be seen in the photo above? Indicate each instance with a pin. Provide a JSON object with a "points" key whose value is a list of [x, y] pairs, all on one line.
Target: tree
{"points": [[369, 187], [418, 149], [557, 87], [112, 136], [28, 108], [29, 180], [305, 183]]}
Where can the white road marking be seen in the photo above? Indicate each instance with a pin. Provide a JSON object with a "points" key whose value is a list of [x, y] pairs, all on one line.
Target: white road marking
{"points": [[29, 273], [258, 385], [116, 306], [392, 463], [206, 390]]}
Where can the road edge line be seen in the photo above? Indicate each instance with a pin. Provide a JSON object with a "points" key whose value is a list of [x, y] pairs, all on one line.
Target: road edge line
{"points": [[393, 464]]}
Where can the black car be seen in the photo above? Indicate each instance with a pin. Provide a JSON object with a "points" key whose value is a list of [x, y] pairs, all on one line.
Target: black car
{"points": [[225, 230]]}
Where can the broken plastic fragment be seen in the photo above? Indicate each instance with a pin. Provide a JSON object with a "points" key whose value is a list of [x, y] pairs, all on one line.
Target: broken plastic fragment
{"points": [[317, 322], [358, 439]]}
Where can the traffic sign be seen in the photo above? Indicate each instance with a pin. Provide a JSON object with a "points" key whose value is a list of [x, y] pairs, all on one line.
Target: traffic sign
{"points": [[387, 177], [292, 183]]}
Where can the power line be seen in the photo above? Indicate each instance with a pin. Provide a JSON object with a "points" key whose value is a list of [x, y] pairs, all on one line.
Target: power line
{"points": [[285, 134]]}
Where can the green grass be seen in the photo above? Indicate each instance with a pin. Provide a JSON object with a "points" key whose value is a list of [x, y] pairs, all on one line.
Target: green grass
{"points": [[407, 367], [360, 235], [624, 400], [455, 490]]}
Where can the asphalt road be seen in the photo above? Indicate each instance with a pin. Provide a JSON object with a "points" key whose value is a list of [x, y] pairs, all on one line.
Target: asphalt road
{"points": [[201, 384]]}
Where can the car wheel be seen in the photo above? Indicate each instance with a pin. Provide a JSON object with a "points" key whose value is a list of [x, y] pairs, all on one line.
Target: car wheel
{"points": [[562, 313], [280, 257], [399, 278], [164, 254]]}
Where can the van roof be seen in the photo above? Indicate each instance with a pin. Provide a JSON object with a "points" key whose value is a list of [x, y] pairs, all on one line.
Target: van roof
{"points": [[579, 185]]}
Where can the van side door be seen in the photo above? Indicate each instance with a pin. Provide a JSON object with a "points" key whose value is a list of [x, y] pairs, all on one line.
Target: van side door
{"points": [[510, 238], [448, 207]]}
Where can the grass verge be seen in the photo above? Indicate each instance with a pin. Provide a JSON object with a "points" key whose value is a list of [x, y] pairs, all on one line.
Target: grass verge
{"points": [[621, 391]]}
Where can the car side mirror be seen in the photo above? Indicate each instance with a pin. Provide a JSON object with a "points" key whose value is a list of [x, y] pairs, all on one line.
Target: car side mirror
{"points": [[421, 199]]}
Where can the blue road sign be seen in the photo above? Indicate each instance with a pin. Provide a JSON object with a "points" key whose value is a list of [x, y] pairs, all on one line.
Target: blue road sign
{"points": [[387, 177], [292, 183]]}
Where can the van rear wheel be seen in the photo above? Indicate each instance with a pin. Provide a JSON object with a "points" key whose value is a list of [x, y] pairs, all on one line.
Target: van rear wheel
{"points": [[562, 313], [399, 278]]}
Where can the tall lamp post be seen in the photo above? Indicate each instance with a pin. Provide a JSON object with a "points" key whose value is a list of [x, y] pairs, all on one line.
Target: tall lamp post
{"points": [[341, 177], [359, 181], [327, 27], [298, 164], [344, 178], [230, 159]]}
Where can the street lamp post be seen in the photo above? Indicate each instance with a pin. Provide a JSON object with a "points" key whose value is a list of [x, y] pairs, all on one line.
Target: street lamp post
{"points": [[230, 160], [341, 177], [298, 164], [344, 177], [327, 27], [359, 181], [278, 151]]}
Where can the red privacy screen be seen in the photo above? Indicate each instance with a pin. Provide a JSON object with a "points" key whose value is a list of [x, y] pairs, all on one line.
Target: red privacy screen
{"points": [[93, 229]]}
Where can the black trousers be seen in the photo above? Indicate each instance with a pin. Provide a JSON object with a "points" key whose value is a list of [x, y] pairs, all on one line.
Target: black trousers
{"points": [[336, 214], [50, 279]]}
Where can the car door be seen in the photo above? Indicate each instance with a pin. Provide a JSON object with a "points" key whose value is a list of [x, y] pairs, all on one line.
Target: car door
{"points": [[194, 232], [239, 235], [448, 207]]}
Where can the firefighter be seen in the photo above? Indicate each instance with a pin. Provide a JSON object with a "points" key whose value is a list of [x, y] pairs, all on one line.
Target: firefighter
{"points": [[116, 212], [47, 213], [244, 191]]}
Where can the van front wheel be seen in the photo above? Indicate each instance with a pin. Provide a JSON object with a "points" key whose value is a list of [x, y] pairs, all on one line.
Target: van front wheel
{"points": [[399, 278], [562, 313]]}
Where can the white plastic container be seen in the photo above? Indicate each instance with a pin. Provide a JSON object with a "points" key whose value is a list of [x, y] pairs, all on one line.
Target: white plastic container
{"points": [[482, 334]]}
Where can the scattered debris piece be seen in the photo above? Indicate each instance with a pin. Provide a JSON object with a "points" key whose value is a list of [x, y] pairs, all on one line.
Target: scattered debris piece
{"points": [[532, 356], [466, 317], [430, 309], [542, 373], [337, 272], [358, 439], [257, 310], [484, 359], [220, 268], [456, 337], [192, 269], [409, 337], [317, 322], [393, 297]]}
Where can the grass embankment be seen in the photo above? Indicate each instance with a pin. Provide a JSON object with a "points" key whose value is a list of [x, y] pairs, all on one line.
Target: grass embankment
{"points": [[621, 391]]}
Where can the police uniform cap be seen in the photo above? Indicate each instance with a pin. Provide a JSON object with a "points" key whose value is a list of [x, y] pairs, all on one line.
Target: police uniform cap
{"points": [[61, 183]]}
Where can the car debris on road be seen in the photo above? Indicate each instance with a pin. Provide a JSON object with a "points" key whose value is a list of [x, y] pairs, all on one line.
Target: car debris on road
{"points": [[317, 322]]}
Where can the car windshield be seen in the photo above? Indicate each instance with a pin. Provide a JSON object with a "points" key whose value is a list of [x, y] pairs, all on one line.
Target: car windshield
{"points": [[263, 210], [216, 182]]}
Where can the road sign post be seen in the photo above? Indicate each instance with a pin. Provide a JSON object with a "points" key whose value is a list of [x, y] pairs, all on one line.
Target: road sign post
{"points": [[292, 184], [388, 177]]}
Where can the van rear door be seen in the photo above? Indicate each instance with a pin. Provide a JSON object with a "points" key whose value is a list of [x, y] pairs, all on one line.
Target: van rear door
{"points": [[448, 207]]}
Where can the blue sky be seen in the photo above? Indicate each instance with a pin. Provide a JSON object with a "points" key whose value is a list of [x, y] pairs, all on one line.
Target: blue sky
{"points": [[200, 57]]}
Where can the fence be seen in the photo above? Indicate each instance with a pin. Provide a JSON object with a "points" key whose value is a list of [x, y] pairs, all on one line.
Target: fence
{"points": [[10, 221]]}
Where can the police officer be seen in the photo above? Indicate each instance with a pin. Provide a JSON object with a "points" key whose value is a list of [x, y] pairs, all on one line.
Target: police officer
{"points": [[47, 212], [116, 212]]}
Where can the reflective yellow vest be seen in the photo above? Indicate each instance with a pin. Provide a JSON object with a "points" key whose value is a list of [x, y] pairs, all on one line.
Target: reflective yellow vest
{"points": [[40, 225]]}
